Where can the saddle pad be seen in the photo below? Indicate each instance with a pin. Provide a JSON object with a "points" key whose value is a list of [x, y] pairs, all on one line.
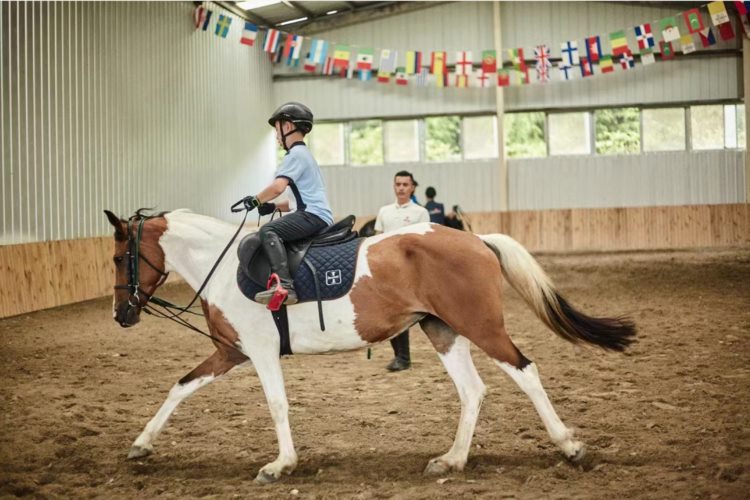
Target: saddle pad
{"points": [[334, 267]]}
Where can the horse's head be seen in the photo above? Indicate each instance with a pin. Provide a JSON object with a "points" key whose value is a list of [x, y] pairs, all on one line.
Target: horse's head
{"points": [[139, 264]]}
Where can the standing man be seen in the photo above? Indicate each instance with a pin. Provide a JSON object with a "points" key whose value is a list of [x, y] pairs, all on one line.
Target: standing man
{"points": [[435, 209], [395, 216]]}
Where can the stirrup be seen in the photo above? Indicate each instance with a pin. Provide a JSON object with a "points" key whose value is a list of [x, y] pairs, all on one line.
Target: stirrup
{"points": [[279, 296]]}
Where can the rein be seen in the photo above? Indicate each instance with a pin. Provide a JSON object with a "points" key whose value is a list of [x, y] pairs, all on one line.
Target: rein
{"points": [[173, 312]]}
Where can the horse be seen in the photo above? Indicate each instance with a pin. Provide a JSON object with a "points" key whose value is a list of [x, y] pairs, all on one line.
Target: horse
{"points": [[448, 281]]}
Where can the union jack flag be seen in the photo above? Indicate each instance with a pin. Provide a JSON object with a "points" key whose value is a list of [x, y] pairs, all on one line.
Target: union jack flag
{"points": [[542, 55]]}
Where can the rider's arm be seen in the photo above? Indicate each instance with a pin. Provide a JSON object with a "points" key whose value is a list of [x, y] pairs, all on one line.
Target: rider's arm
{"points": [[273, 190]]}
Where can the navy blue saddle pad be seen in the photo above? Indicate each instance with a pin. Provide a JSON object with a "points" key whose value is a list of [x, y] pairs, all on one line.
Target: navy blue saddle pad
{"points": [[332, 265]]}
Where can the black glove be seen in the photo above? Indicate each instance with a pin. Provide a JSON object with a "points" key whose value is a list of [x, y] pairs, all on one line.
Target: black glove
{"points": [[250, 202], [267, 208]]}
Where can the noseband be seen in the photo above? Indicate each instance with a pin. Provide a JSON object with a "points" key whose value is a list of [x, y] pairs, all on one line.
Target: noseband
{"points": [[134, 257]]}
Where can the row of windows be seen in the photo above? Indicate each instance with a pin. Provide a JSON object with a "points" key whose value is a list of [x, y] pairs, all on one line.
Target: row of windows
{"points": [[528, 135]]}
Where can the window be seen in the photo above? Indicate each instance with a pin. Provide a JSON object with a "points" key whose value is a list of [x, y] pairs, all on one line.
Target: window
{"points": [[664, 129], [741, 126], [618, 131], [480, 137], [707, 127], [569, 134], [327, 143], [524, 135], [443, 141], [734, 126], [401, 141], [366, 143]]}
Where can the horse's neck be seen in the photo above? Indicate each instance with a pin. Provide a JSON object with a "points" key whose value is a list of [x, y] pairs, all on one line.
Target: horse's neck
{"points": [[192, 243]]}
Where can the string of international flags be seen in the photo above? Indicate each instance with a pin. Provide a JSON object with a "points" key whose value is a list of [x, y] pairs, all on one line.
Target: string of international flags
{"points": [[677, 32]]}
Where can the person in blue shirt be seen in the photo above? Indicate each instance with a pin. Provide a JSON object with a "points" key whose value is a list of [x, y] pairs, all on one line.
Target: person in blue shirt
{"points": [[435, 209], [300, 172]]}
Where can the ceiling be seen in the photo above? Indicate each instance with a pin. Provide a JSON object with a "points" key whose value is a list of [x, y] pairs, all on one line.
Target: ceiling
{"points": [[317, 13]]}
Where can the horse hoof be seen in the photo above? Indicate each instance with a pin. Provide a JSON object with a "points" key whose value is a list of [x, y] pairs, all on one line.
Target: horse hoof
{"points": [[578, 456], [139, 452], [264, 477], [436, 467]]}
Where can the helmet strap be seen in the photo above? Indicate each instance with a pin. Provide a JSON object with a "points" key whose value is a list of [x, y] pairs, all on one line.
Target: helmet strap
{"points": [[287, 134]]}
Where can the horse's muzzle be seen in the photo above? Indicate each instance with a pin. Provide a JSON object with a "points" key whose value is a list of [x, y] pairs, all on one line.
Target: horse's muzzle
{"points": [[127, 315]]}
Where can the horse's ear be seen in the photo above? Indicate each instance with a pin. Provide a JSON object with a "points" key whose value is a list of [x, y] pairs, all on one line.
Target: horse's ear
{"points": [[117, 223]]}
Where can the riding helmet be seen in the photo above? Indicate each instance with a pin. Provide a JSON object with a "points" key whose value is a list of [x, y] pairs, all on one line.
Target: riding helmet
{"points": [[294, 112]]}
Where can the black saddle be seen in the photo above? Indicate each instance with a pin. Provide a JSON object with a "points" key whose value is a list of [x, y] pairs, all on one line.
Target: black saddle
{"points": [[254, 263]]}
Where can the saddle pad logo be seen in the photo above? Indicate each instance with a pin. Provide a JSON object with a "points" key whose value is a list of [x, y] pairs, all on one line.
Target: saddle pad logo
{"points": [[333, 277]]}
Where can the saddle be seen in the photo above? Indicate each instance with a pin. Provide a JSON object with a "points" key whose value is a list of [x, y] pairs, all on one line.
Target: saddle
{"points": [[322, 268]]}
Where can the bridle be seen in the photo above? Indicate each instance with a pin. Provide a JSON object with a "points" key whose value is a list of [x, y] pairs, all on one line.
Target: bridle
{"points": [[170, 311], [134, 256]]}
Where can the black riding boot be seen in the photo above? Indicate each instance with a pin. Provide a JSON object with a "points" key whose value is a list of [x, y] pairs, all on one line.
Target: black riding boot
{"points": [[276, 254], [402, 358]]}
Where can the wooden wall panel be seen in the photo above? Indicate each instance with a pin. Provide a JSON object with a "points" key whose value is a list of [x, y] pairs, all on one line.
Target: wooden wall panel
{"points": [[633, 228], [42, 275]]}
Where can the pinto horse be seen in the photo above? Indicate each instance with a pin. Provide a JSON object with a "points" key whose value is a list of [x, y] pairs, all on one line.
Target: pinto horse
{"points": [[448, 281]]}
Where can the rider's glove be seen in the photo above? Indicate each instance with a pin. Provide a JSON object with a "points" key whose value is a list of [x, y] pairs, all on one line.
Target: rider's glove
{"points": [[250, 202], [267, 208]]}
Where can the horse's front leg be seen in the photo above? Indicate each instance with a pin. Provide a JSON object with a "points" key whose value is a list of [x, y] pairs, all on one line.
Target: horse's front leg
{"points": [[268, 367], [217, 364]]}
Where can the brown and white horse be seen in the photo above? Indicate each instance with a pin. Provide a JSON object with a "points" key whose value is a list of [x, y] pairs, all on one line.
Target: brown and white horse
{"points": [[446, 280]]}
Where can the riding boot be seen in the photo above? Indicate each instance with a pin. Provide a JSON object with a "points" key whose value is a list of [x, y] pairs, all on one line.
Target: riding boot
{"points": [[276, 254], [402, 358]]}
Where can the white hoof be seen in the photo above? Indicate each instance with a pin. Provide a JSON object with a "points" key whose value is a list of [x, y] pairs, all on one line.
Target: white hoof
{"points": [[264, 477], [140, 451], [439, 466], [576, 452]]}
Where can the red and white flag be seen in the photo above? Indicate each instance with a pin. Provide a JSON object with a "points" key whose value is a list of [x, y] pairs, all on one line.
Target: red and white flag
{"points": [[272, 41], [463, 63]]}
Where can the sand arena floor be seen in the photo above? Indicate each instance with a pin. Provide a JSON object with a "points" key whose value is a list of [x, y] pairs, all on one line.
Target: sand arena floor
{"points": [[669, 419]]}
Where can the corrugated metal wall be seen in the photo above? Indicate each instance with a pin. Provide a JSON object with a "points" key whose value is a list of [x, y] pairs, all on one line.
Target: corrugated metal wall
{"points": [[533, 183], [124, 105], [363, 190], [668, 178]]}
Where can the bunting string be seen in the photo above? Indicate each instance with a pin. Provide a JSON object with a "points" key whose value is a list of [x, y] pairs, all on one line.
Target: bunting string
{"points": [[685, 32]]}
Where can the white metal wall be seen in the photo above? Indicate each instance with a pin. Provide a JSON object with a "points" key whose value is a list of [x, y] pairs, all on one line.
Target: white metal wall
{"points": [[363, 190], [665, 178], [124, 105], [533, 183]]}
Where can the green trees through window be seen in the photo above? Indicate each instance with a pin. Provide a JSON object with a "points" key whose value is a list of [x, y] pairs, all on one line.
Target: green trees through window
{"points": [[366, 143], [524, 135], [443, 138], [618, 131]]}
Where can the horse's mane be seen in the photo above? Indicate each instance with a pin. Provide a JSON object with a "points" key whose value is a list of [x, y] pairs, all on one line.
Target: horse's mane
{"points": [[139, 213]]}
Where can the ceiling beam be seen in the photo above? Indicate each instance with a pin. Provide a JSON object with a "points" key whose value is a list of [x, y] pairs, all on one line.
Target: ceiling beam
{"points": [[298, 6], [359, 15], [250, 16]]}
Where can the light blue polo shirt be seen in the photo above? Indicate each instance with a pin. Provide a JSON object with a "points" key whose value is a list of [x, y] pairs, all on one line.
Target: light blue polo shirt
{"points": [[303, 173]]}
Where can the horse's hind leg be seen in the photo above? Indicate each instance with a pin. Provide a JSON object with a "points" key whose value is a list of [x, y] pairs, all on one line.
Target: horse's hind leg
{"points": [[215, 365], [456, 357], [527, 378], [524, 373]]}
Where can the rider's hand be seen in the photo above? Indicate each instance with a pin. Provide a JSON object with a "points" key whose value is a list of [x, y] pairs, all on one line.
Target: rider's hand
{"points": [[250, 202], [267, 208]]}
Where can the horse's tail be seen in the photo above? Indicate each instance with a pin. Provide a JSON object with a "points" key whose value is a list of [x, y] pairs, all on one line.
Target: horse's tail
{"points": [[532, 283]]}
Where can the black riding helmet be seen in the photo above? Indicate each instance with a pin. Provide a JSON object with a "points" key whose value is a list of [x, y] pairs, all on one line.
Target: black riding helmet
{"points": [[294, 112]]}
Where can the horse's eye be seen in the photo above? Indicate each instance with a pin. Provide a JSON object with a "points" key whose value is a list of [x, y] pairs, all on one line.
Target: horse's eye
{"points": [[118, 260]]}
